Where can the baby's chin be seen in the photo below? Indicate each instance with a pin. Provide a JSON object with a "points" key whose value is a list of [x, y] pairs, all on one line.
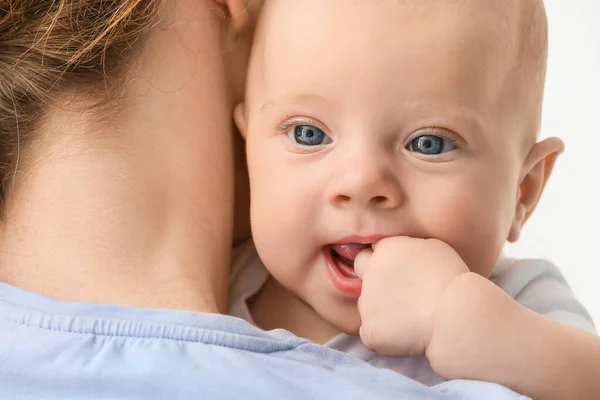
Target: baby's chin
{"points": [[350, 325], [353, 331]]}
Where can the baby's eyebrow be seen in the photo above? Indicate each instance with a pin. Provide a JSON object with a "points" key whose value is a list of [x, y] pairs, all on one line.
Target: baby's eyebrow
{"points": [[267, 104], [298, 99]]}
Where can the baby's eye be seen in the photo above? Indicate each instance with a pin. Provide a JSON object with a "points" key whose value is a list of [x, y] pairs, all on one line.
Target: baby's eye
{"points": [[431, 145], [308, 135]]}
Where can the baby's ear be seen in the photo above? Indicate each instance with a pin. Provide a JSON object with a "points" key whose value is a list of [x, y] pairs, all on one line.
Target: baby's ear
{"points": [[238, 12], [536, 171], [239, 116]]}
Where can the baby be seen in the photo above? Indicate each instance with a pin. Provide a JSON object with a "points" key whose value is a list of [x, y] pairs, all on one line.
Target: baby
{"points": [[392, 151]]}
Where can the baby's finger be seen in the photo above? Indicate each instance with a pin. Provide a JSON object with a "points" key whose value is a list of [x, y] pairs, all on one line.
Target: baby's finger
{"points": [[361, 262], [396, 239]]}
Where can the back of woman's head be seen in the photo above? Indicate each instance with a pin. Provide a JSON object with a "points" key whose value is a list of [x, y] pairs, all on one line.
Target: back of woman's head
{"points": [[50, 48]]}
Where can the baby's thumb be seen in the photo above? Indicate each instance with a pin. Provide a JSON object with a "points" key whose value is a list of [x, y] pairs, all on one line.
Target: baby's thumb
{"points": [[361, 262]]}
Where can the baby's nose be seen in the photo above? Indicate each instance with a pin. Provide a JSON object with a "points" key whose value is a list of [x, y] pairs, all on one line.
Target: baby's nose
{"points": [[368, 183]]}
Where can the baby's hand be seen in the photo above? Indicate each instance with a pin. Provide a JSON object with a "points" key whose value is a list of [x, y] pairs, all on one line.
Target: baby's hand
{"points": [[403, 279]]}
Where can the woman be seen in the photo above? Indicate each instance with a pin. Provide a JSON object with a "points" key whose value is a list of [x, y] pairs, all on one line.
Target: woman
{"points": [[117, 158], [117, 153]]}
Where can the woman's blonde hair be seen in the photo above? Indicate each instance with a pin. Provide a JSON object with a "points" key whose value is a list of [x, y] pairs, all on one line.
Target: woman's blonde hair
{"points": [[48, 47]]}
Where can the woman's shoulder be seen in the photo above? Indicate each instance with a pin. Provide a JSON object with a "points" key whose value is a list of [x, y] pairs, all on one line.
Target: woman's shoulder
{"points": [[60, 350]]}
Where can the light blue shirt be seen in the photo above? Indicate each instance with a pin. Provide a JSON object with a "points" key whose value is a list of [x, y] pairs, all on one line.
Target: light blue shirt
{"points": [[57, 350]]}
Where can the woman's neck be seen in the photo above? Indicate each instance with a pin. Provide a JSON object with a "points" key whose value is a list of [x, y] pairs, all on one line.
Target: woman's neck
{"points": [[139, 213]]}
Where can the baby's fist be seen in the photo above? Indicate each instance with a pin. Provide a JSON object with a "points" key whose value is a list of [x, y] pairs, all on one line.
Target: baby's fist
{"points": [[403, 279]]}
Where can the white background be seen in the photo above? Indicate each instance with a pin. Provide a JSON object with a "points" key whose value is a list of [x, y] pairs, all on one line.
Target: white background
{"points": [[565, 227]]}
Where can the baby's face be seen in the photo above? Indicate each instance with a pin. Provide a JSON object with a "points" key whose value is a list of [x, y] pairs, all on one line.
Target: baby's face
{"points": [[372, 119]]}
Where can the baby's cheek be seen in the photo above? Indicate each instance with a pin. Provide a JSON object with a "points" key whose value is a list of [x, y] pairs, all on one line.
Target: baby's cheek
{"points": [[281, 225], [480, 246], [473, 227]]}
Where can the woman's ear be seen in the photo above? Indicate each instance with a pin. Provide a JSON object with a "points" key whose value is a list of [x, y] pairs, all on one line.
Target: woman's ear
{"points": [[237, 12], [239, 116], [536, 171]]}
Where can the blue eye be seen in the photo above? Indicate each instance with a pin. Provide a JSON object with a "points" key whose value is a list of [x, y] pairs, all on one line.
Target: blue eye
{"points": [[431, 145], [308, 135]]}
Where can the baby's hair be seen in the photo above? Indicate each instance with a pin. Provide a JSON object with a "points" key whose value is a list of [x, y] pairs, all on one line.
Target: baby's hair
{"points": [[525, 26], [51, 47], [535, 27]]}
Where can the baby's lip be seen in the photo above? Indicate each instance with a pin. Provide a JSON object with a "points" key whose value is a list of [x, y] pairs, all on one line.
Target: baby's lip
{"points": [[360, 239]]}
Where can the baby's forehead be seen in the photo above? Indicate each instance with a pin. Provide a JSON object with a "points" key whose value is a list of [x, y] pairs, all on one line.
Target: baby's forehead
{"points": [[514, 19], [514, 29], [495, 38]]}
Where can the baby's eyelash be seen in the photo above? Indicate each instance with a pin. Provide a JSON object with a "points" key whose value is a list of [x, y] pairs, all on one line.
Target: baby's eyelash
{"points": [[441, 132], [293, 122]]}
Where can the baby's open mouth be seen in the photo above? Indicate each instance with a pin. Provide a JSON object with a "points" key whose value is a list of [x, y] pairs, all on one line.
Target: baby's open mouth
{"points": [[344, 256]]}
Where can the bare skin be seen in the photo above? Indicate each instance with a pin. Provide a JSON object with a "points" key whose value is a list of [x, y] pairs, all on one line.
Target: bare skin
{"points": [[139, 212]]}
